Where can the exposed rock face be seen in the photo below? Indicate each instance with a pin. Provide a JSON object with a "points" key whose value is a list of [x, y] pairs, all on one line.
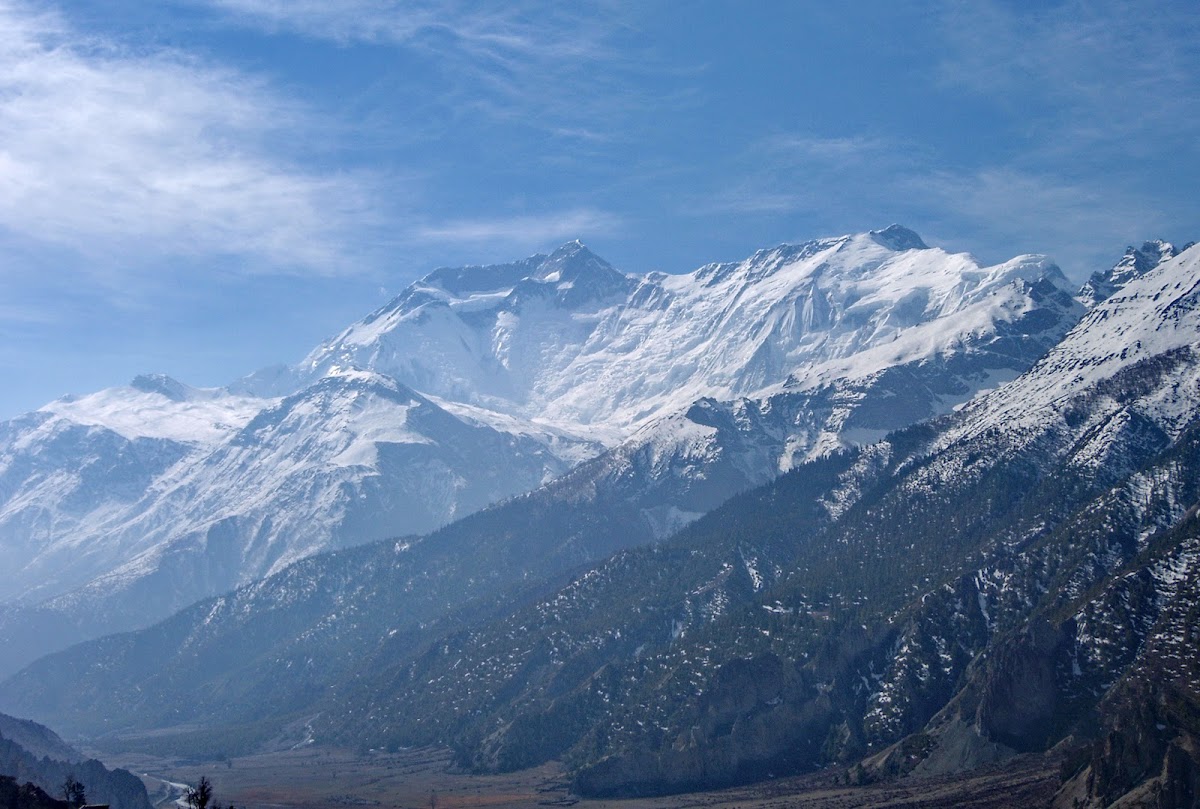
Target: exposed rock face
{"points": [[1017, 705], [746, 726], [1135, 263]]}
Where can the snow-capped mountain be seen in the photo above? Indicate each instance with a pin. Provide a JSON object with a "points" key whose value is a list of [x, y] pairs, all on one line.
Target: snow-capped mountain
{"points": [[78, 467], [108, 530], [576, 344], [1017, 576], [482, 382], [711, 382]]}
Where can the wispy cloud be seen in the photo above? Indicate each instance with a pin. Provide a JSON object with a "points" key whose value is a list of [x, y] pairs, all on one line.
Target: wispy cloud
{"points": [[1099, 73], [846, 184], [129, 156], [804, 173], [522, 230], [1081, 224], [496, 29], [572, 70], [827, 152]]}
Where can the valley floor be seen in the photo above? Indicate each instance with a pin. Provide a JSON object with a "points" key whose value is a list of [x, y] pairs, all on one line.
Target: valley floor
{"points": [[318, 778]]}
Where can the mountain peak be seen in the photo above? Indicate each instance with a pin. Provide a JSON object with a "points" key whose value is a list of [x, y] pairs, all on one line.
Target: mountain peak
{"points": [[571, 250], [1134, 264], [899, 238], [161, 384], [580, 275], [572, 260], [574, 245]]}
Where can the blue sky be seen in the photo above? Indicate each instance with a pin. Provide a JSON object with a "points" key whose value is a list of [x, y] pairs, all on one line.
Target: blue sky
{"points": [[203, 187]]}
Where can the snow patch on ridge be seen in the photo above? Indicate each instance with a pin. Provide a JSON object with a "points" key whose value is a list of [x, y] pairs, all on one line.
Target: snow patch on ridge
{"points": [[1152, 315], [200, 415]]}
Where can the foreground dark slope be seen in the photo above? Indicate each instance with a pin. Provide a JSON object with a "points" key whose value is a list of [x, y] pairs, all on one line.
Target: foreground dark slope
{"points": [[775, 637], [32, 753], [974, 589]]}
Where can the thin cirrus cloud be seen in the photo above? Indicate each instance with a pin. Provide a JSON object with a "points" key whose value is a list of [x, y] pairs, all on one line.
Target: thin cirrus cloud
{"points": [[522, 230], [497, 29], [1101, 72], [842, 184], [145, 155], [826, 176], [556, 67], [1080, 224]]}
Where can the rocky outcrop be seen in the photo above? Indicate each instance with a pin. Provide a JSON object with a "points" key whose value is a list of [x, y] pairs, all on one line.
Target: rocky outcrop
{"points": [[756, 718]]}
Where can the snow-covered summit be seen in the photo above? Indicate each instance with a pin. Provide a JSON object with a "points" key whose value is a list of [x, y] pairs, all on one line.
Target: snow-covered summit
{"points": [[1134, 264], [157, 406], [898, 237], [163, 384], [575, 343], [571, 262]]}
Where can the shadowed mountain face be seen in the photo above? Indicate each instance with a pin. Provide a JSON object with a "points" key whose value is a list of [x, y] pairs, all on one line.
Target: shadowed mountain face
{"points": [[35, 761], [665, 394], [38, 740], [1010, 576]]}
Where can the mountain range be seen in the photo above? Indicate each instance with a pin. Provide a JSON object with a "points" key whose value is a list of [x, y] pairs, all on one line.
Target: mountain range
{"points": [[966, 531], [480, 383]]}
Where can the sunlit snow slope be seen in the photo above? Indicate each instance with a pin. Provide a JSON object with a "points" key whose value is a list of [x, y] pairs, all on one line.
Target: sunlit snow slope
{"points": [[572, 342]]}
